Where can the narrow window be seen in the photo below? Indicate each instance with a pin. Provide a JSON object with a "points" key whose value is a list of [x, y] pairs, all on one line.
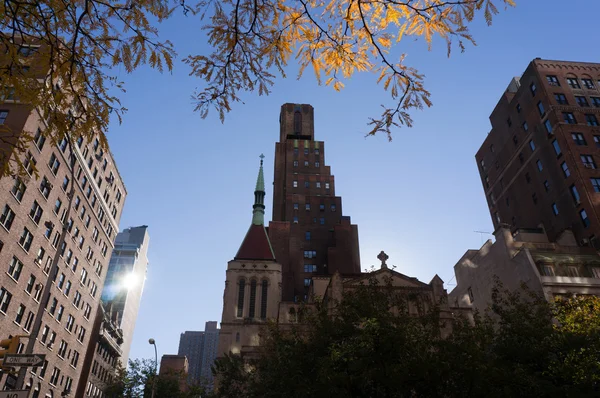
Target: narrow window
{"points": [[297, 122], [240, 309], [263, 298], [252, 299]]}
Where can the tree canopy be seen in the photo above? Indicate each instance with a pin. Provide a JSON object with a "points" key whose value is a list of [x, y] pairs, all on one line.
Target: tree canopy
{"points": [[523, 346], [60, 58]]}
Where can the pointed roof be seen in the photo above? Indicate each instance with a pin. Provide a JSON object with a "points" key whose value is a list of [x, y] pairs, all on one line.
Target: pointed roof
{"points": [[256, 245]]}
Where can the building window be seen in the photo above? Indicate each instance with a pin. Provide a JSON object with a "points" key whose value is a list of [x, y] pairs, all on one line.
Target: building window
{"points": [[518, 108], [547, 270], [317, 164], [3, 116], [588, 161], [241, 289], [574, 193], [588, 83], [295, 184], [548, 126], [53, 164], [307, 282], [310, 253], [569, 118], [533, 89], [18, 190], [595, 101], [36, 212], [591, 120], [556, 147], [561, 99], [297, 122], [321, 207], [7, 217], [252, 305], [595, 184], [326, 185], [578, 138], [306, 163], [539, 165], [555, 209], [318, 184], [295, 206], [540, 108], [5, 298], [14, 269], [584, 218], [547, 185], [295, 219], [332, 207], [552, 80], [595, 272], [26, 239], [532, 145], [581, 101], [295, 163], [572, 82], [45, 187], [295, 151], [307, 235], [525, 127], [39, 139], [322, 221], [515, 140], [471, 296], [263, 299], [565, 169], [310, 268], [306, 152], [509, 122]]}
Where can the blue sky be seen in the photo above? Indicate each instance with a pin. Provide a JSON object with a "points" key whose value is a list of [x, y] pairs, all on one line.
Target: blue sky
{"points": [[419, 198]]}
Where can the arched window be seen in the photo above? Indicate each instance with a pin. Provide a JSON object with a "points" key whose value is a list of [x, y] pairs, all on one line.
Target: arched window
{"points": [[263, 299], [297, 122], [240, 309], [252, 299]]}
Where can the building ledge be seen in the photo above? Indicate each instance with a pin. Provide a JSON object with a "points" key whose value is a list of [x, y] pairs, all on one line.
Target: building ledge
{"points": [[570, 280]]}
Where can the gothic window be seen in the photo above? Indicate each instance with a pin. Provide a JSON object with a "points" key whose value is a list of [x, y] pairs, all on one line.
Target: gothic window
{"points": [[263, 299], [297, 122], [240, 309], [252, 298]]}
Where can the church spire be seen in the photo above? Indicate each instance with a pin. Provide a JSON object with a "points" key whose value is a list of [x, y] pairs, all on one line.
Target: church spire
{"points": [[258, 212]]}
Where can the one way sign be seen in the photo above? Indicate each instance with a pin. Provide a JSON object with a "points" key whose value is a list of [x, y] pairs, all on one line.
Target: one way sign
{"points": [[27, 360]]}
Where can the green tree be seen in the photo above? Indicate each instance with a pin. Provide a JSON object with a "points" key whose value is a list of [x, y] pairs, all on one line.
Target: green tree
{"points": [[137, 380], [369, 346]]}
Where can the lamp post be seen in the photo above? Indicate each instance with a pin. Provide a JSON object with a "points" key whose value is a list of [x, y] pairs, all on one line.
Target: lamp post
{"points": [[153, 342]]}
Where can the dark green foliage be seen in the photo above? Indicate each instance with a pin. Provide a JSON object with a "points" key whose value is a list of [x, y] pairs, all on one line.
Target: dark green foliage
{"points": [[369, 346]]}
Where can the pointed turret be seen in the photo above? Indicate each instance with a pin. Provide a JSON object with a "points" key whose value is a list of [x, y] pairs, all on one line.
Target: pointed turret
{"points": [[256, 244], [258, 212]]}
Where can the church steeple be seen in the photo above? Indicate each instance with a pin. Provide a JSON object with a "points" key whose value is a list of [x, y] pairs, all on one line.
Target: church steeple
{"points": [[258, 212], [256, 244]]}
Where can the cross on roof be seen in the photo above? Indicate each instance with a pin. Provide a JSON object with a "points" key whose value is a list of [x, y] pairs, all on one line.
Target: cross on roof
{"points": [[261, 158], [383, 258]]}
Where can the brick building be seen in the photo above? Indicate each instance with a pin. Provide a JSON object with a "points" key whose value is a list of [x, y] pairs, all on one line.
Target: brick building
{"points": [[62, 304], [308, 232], [539, 163]]}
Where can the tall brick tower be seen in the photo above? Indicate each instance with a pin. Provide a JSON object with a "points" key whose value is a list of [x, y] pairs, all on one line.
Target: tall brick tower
{"points": [[308, 232]]}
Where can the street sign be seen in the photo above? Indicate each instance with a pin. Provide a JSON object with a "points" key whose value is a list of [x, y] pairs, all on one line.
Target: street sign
{"points": [[24, 360], [14, 394]]}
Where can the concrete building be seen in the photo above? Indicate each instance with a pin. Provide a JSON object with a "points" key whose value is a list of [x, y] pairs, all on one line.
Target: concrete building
{"points": [[200, 348], [125, 280], [309, 233], [64, 304], [539, 163], [552, 268], [103, 354], [176, 367]]}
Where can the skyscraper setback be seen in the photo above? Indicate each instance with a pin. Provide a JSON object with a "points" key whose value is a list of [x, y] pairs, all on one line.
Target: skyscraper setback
{"points": [[539, 163], [308, 232]]}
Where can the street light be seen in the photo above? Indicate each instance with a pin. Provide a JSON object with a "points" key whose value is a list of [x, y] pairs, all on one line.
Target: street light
{"points": [[153, 342]]}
